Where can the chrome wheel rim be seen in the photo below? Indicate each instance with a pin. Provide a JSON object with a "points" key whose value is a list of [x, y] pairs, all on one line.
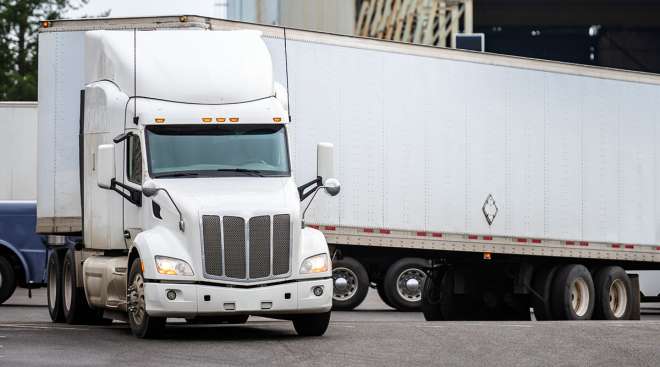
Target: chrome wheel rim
{"points": [[409, 284], [345, 283], [136, 303], [618, 298], [52, 285], [66, 275], [580, 297]]}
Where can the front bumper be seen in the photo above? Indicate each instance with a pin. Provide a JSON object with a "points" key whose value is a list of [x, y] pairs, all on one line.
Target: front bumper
{"points": [[210, 300]]}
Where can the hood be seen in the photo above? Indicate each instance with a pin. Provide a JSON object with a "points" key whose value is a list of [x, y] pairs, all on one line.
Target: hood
{"points": [[240, 196]]}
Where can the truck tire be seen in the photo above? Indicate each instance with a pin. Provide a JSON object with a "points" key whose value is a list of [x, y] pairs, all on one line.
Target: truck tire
{"points": [[312, 325], [380, 288], [54, 287], [142, 325], [7, 280], [542, 285], [75, 308], [431, 294], [403, 283], [573, 295], [613, 294], [350, 283]]}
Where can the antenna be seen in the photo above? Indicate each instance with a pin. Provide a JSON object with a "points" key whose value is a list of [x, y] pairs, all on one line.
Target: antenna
{"points": [[286, 70]]}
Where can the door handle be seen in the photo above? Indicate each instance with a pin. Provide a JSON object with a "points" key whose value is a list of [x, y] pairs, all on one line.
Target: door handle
{"points": [[127, 235]]}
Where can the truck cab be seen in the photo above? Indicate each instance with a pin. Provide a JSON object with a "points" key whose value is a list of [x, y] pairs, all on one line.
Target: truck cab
{"points": [[189, 206]]}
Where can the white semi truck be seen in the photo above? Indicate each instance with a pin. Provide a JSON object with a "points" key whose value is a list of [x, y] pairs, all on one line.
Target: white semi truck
{"points": [[473, 185], [168, 152]]}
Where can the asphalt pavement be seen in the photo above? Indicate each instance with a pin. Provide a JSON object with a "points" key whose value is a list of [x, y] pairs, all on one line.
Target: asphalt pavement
{"points": [[372, 335]]}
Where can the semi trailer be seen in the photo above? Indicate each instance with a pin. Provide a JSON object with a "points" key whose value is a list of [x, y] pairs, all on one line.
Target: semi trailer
{"points": [[477, 186], [163, 156], [473, 185], [22, 251]]}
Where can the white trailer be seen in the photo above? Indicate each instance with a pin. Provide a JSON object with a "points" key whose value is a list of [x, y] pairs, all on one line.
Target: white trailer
{"points": [[18, 151], [167, 153], [513, 183]]}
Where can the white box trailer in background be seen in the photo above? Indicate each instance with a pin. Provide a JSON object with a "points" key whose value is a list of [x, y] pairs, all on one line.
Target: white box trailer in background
{"points": [[18, 155], [511, 182]]}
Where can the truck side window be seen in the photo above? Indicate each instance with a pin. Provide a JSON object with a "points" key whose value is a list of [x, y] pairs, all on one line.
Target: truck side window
{"points": [[134, 159]]}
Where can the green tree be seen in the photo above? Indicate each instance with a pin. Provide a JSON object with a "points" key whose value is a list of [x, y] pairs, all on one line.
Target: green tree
{"points": [[19, 25]]}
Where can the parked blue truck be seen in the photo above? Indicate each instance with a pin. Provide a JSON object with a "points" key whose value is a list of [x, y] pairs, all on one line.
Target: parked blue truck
{"points": [[23, 253]]}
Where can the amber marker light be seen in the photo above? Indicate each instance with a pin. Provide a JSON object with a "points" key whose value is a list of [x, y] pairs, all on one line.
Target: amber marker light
{"points": [[233, 119], [207, 119], [487, 256], [220, 119], [277, 119], [45, 24], [159, 120]]}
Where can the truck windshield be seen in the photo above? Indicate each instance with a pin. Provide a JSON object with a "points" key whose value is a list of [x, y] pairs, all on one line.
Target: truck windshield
{"points": [[217, 150]]}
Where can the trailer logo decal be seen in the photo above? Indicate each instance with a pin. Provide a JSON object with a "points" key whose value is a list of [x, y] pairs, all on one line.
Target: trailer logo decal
{"points": [[489, 209]]}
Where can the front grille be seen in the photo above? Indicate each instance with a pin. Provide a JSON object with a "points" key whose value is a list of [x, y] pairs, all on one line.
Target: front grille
{"points": [[256, 251]]}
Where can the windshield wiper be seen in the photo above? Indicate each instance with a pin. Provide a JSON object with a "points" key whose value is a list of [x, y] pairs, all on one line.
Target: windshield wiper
{"points": [[176, 174], [253, 172]]}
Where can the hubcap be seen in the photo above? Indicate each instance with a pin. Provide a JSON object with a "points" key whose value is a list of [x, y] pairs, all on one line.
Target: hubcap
{"points": [[136, 303], [580, 297], [618, 298], [408, 284], [345, 283]]}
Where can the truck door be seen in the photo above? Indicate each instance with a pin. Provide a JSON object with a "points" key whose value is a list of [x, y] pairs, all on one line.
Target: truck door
{"points": [[133, 178]]}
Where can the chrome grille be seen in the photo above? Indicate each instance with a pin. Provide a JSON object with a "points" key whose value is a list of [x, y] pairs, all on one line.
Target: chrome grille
{"points": [[260, 247], [212, 245], [258, 251], [281, 244], [234, 234]]}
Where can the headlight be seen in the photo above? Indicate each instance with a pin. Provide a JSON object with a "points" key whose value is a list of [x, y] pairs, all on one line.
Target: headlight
{"points": [[171, 266], [315, 264]]}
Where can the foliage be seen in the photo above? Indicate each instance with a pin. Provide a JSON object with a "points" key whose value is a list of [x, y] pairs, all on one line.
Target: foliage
{"points": [[19, 24]]}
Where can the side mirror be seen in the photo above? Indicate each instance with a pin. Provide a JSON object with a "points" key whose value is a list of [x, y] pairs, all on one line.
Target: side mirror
{"points": [[325, 162], [332, 186], [105, 165], [149, 188]]}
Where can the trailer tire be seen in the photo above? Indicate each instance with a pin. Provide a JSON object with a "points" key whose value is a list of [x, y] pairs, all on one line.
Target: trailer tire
{"points": [[54, 287], [431, 294], [614, 295], [573, 293], [7, 280], [75, 308], [142, 325], [312, 325], [380, 288], [403, 283], [542, 285], [350, 283]]}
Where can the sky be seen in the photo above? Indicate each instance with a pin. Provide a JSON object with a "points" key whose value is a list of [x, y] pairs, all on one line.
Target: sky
{"points": [[125, 8]]}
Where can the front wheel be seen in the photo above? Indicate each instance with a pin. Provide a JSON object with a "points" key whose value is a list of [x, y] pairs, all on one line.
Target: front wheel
{"points": [[7, 280], [142, 325], [312, 325]]}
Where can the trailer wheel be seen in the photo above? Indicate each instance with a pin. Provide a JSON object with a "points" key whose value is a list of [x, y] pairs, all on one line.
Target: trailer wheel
{"points": [[380, 288], [573, 294], [54, 287], [350, 283], [613, 294], [75, 308], [142, 325], [431, 294], [403, 283], [7, 280], [312, 325], [542, 285]]}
